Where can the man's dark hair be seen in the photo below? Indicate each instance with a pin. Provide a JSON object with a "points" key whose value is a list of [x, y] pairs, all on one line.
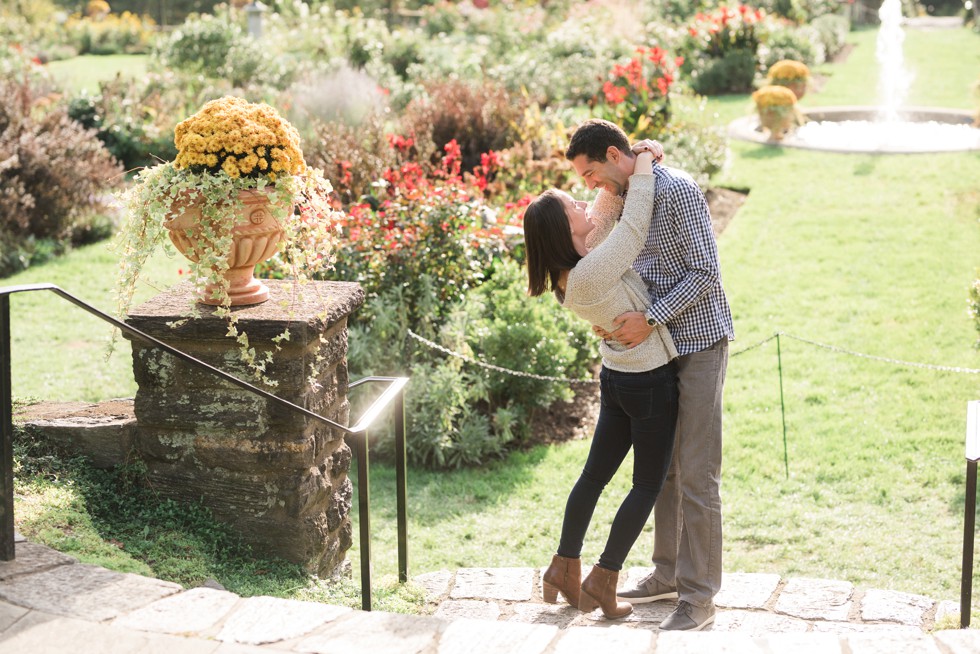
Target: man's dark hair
{"points": [[593, 138], [547, 243]]}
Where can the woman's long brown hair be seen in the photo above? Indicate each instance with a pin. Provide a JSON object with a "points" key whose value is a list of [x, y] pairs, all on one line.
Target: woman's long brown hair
{"points": [[548, 242]]}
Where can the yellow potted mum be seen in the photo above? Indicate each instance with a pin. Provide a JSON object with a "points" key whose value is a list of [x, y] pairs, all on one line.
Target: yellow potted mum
{"points": [[776, 106], [237, 192], [794, 75]]}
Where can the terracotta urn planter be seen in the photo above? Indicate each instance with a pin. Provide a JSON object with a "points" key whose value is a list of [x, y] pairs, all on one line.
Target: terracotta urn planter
{"points": [[255, 237], [777, 120]]}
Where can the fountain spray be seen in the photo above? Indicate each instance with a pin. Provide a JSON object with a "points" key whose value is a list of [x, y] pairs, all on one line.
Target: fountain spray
{"points": [[893, 80]]}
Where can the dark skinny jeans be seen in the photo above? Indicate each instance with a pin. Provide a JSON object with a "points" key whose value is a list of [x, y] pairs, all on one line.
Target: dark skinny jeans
{"points": [[637, 410]]}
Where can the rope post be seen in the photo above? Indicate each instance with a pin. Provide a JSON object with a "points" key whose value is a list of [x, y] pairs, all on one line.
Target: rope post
{"points": [[782, 403]]}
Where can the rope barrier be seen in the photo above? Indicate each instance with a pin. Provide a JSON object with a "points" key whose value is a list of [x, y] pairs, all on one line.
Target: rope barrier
{"points": [[913, 364], [832, 348], [490, 366], [779, 356]]}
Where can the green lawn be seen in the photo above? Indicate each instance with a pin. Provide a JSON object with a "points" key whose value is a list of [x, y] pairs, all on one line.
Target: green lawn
{"points": [[85, 72], [868, 253], [58, 351]]}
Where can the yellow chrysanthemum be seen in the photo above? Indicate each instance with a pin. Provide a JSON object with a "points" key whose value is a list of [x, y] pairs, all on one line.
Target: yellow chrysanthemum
{"points": [[230, 168], [788, 70], [244, 138], [774, 96]]}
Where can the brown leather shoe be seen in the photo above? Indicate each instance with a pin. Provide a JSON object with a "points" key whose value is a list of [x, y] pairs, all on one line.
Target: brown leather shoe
{"points": [[563, 575], [599, 589]]}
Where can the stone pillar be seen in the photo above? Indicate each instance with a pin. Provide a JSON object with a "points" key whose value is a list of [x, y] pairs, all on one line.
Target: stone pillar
{"points": [[276, 476]]}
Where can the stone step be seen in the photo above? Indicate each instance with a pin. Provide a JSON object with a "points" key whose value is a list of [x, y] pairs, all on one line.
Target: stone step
{"points": [[51, 603]]}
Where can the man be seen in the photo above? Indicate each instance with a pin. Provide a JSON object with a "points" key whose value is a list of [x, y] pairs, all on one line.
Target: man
{"points": [[681, 269]]}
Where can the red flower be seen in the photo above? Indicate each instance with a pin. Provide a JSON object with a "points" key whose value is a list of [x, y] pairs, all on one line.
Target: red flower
{"points": [[614, 94], [400, 142], [345, 174]]}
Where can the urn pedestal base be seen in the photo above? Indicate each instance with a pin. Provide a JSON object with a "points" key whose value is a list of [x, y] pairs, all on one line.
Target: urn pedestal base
{"points": [[277, 477]]}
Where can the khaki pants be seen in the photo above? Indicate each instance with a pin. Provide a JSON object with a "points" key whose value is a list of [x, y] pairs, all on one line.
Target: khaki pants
{"points": [[687, 516]]}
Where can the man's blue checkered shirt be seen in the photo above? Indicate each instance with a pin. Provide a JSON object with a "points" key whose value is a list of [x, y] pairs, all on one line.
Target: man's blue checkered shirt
{"points": [[680, 265]]}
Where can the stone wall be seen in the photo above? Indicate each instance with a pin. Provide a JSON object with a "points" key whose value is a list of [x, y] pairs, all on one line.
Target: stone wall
{"points": [[276, 476]]}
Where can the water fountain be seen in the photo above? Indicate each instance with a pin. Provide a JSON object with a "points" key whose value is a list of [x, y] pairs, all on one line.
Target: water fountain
{"points": [[889, 128]]}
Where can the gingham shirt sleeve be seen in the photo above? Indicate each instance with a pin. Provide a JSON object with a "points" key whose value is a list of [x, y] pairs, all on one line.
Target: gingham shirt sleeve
{"points": [[694, 245]]}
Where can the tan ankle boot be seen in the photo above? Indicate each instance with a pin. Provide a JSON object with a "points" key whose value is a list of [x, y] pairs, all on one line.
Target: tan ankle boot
{"points": [[599, 589], [564, 575]]}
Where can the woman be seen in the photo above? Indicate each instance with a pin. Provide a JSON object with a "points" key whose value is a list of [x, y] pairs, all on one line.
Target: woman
{"points": [[638, 386]]}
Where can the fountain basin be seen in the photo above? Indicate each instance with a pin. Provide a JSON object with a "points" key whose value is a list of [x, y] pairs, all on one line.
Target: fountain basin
{"points": [[857, 129]]}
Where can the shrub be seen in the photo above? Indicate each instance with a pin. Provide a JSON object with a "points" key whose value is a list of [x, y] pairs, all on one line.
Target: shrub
{"points": [[677, 11], [693, 142], [448, 431], [832, 30], [19, 253], [125, 136], [442, 417], [102, 34], [732, 72], [343, 95], [53, 172], [352, 158], [524, 173], [135, 117], [35, 25], [566, 61], [403, 49], [423, 222], [441, 18], [504, 327], [636, 95], [462, 414], [479, 117], [720, 50], [218, 47], [801, 44]]}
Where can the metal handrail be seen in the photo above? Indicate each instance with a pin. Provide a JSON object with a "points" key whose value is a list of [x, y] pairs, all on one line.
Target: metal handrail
{"points": [[393, 393]]}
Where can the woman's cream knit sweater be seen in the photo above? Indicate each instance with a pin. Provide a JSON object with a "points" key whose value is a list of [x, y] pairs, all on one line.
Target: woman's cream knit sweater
{"points": [[603, 284]]}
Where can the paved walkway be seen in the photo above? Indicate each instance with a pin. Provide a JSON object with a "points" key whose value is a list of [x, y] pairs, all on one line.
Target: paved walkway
{"points": [[51, 603]]}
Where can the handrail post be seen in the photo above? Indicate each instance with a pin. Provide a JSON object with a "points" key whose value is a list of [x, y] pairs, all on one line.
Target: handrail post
{"points": [[401, 474], [364, 518], [969, 533], [7, 437]]}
